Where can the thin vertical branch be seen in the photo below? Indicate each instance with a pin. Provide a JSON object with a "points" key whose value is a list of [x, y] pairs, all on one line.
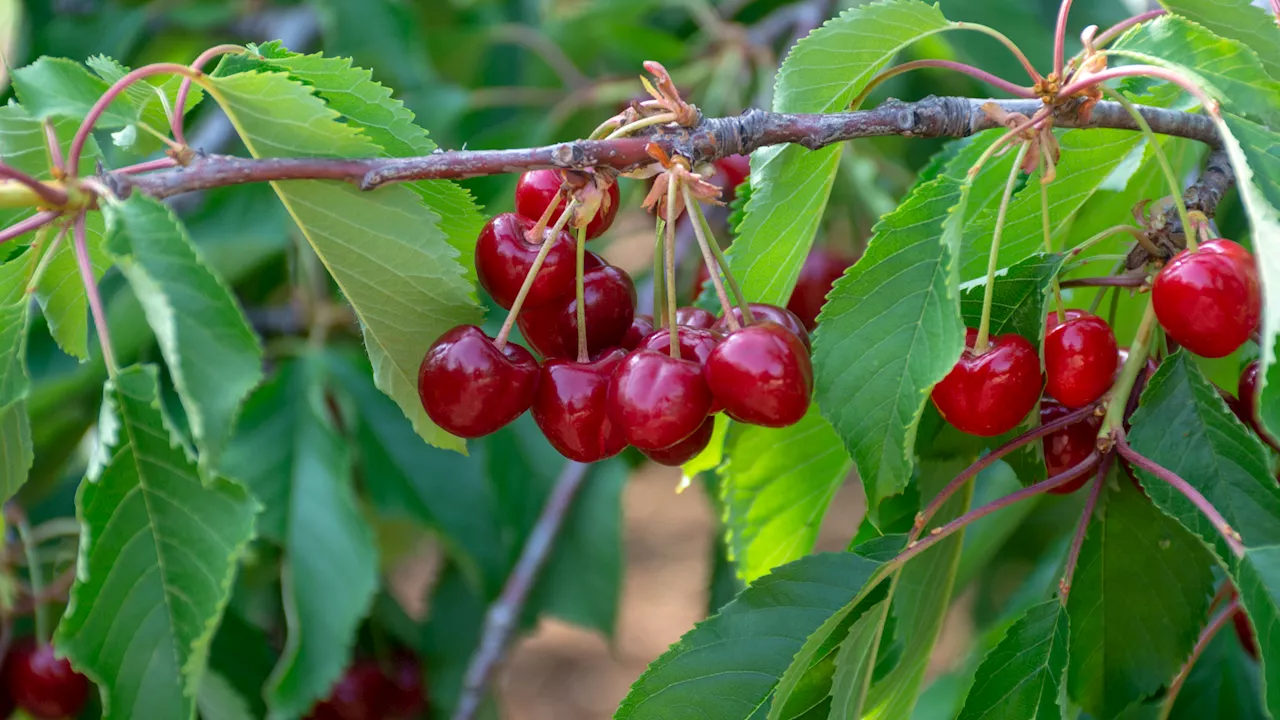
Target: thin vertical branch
{"points": [[94, 297], [1077, 542]]}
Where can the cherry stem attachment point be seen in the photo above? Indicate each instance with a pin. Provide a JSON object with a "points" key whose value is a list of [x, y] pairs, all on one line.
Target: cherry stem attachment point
{"points": [[538, 233], [180, 101], [113, 92], [548, 241], [641, 124], [722, 263], [704, 243], [51, 143], [51, 195], [1086, 514], [993, 258], [1206, 636]]}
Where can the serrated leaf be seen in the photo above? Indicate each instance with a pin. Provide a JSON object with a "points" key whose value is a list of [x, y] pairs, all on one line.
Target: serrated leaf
{"points": [[145, 97], [158, 553], [1137, 603], [384, 248], [1223, 683], [16, 452], [212, 354], [1257, 579], [1018, 301], [775, 488], [1239, 20], [853, 667], [14, 382], [1021, 677], [58, 87], [297, 465]]}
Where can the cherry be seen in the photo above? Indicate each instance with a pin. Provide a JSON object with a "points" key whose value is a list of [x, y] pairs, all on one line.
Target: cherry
{"points": [[504, 256], [687, 449], [659, 400], [571, 407], [406, 696], [1068, 447], [536, 188], [762, 312], [1248, 402], [1080, 358], [43, 684], [1210, 300], [360, 694], [695, 344], [471, 388], [641, 325], [1244, 632], [762, 375], [991, 393], [818, 274], [695, 317], [552, 330]]}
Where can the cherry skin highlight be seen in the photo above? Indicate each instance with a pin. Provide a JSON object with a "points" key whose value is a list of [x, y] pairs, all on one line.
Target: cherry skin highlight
{"points": [[695, 317], [360, 694], [762, 375], [1080, 357], [571, 407], [695, 344], [989, 394], [763, 312], [657, 399], [504, 256], [470, 388], [1068, 447], [817, 276], [537, 188], [43, 684], [1209, 301], [687, 449], [552, 330], [641, 325]]}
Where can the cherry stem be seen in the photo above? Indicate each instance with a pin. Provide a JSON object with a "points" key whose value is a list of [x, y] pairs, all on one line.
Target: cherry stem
{"points": [[99, 107], [580, 295], [1077, 541], [35, 571], [982, 463], [1109, 281], [1206, 636], [51, 195], [180, 101], [1114, 31], [669, 262], [993, 259], [1048, 234], [722, 264], [548, 241], [538, 233], [641, 124], [1139, 349], [1153, 71], [1232, 538], [1060, 40], [659, 276], [1109, 232], [163, 163], [51, 142], [704, 243], [35, 222], [971, 71], [94, 297]]}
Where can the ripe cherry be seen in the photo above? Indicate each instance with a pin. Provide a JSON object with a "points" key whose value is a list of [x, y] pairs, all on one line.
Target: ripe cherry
{"points": [[471, 388], [695, 344], [571, 407], [762, 375], [1248, 402], [504, 256], [552, 330], [1244, 632], [537, 188], [687, 449], [641, 325], [1079, 358], [991, 393], [818, 274], [658, 400], [43, 684], [1210, 300], [762, 312], [360, 694], [1068, 447], [695, 317]]}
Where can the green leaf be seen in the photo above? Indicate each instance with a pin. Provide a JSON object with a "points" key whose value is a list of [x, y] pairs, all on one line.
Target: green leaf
{"points": [[1237, 19], [16, 452], [1223, 683], [1257, 578], [219, 700], [891, 329], [776, 487], [384, 248], [158, 553], [853, 669], [213, 356], [1018, 301], [727, 666], [14, 382], [1021, 677], [1137, 603], [145, 98], [58, 87], [293, 460]]}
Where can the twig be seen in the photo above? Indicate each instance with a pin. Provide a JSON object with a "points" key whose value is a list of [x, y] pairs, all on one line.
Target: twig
{"points": [[1077, 542], [504, 614], [1107, 281], [1206, 636]]}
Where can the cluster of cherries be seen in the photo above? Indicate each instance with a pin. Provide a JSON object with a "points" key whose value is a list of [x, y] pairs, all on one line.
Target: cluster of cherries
{"points": [[41, 684], [368, 691], [1207, 300], [634, 386]]}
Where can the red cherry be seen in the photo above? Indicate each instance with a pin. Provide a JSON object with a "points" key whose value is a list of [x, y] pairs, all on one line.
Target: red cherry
{"points": [[536, 188], [658, 400], [43, 684], [1244, 631], [695, 317], [731, 172], [552, 330], [695, 344], [1079, 359], [991, 393], [471, 388], [687, 449], [504, 256], [762, 375], [1248, 402], [406, 697], [641, 325], [762, 312], [1068, 447], [820, 271], [1210, 300], [360, 694], [572, 409]]}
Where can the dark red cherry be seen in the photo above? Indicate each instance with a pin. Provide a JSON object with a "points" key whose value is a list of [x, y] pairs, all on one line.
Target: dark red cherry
{"points": [[657, 399], [360, 694], [537, 188], [818, 274], [695, 343], [1248, 402], [731, 172], [641, 325], [572, 407], [471, 388], [762, 375], [695, 317], [43, 684], [1079, 359], [1068, 447], [687, 449], [552, 330], [504, 256], [762, 312], [991, 393], [1244, 632], [1210, 300], [406, 696]]}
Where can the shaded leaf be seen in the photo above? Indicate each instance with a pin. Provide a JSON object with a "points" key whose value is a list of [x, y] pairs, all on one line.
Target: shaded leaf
{"points": [[58, 87], [1018, 301], [1224, 683], [1257, 578], [1020, 678]]}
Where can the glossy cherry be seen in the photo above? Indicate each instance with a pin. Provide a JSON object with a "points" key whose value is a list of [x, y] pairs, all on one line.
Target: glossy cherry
{"points": [[1079, 358], [695, 317], [360, 694], [1068, 447], [641, 325], [687, 449], [1244, 632], [471, 388], [657, 399], [537, 188], [695, 344], [1210, 300], [552, 330], [818, 274], [991, 393], [762, 375], [762, 312], [1247, 392], [43, 684], [571, 407], [504, 256]]}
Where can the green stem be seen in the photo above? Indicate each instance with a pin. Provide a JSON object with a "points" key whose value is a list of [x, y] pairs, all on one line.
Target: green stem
{"points": [[641, 124], [993, 259], [548, 240], [669, 264], [580, 295], [704, 243], [35, 572], [1113, 230], [659, 277], [1048, 237], [1138, 351], [722, 264]]}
